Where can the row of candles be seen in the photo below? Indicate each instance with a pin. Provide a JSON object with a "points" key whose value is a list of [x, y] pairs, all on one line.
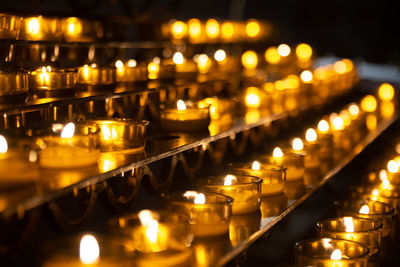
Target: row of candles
{"points": [[367, 222], [42, 28], [165, 237], [212, 30]]}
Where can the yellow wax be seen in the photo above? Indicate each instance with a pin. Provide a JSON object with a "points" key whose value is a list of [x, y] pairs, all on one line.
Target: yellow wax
{"points": [[244, 201]]}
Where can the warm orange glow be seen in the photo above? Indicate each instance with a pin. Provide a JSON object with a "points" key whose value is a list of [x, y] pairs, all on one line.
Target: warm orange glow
{"points": [[284, 50], [386, 92], [323, 126], [180, 105], [364, 209], [371, 122], [320, 73], [338, 123], [297, 144], [74, 26], [303, 52], [252, 97], [68, 130], [345, 115], [387, 109], [178, 58], [349, 224], [392, 166], [229, 179], [178, 29], [220, 55], [212, 28], [354, 110], [119, 64], [339, 67], [253, 28], [336, 255], [194, 26], [311, 135], [131, 63], [252, 116], [227, 30], [368, 103], [89, 250], [277, 153], [200, 199], [292, 81], [349, 64], [249, 59], [256, 165], [3, 145], [306, 76], [203, 63], [33, 26], [272, 56]]}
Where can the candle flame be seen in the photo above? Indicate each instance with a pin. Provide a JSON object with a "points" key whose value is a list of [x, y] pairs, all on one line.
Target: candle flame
{"points": [[250, 59], [220, 55], [89, 250], [336, 255], [386, 184], [212, 28], [383, 175], [306, 76], [364, 209], [297, 144], [229, 179], [354, 110], [386, 92], [131, 63], [33, 26], [178, 58], [349, 224], [311, 135], [252, 97], [375, 192], [338, 123], [368, 103], [252, 28], [283, 50], [180, 104], [303, 52], [119, 64], [68, 130], [392, 166], [200, 199], [150, 223], [256, 165], [3, 145], [277, 153], [106, 132], [323, 126]]}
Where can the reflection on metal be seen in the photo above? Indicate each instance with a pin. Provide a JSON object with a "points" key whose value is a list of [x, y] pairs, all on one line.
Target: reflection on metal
{"points": [[155, 184], [216, 151], [66, 223], [239, 146], [257, 135], [190, 171]]}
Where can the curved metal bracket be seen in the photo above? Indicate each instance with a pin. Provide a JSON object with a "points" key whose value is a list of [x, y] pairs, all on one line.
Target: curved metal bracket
{"points": [[240, 146], [257, 135], [190, 171], [217, 150]]}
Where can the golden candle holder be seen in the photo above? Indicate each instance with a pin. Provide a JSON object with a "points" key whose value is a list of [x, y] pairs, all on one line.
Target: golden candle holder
{"points": [[327, 252], [272, 206], [69, 146], [273, 177], [369, 209], [9, 26], [364, 231], [385, 194], [245, 190], [208, 213], [52, 82], [242, 226], [94, 78], [130, 72], [124, 135], [13, 87], [156, 237], [80, 30], [41, 29], [185, 117]]}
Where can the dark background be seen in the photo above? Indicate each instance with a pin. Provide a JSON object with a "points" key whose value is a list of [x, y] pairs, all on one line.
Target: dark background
{"points": [[367, 29]]}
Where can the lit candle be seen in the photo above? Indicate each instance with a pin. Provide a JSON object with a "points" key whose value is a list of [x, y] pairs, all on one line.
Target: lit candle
{"points": [[331, 253], [52, 82], [184, 67], [10, 26], [245, 190], [185, 117], [208, 213], [130, 71], [273, 177], [68, 149], [13, 87], [365, 231], [95, 78], [41, 28], [80, 30], [325, 140]]}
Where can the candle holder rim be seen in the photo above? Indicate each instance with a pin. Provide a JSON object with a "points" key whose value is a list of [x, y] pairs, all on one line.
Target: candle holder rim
{"points": [[378, 226], [391, 211], [365, 253], [112, 120], [173, 197], [269, 166], [254, 180], [285, 153], [53, 70], [372, 187]]}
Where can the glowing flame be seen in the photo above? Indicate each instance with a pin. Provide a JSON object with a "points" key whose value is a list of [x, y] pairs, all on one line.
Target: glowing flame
{"points": [[229, 179], [178, 58], [297, 144], [252, 28], [250, 59], [153, 67], [392, 166], [340, 67], [306, 76], [375, 192], [180, 104], [368, 103], [148, 221], [212, 28], [338, 123], [323, 126], [178, 29], [200, 199], [119, 64], [3, 144], [220, 55], [105, 132], [277, 153], [349, 224], [386, 184], [194, 26], [354, 110], [252, 97], [272, 55], [364, 209], [33, 26], [227, 30], [203, 63], [89, 250], [311, 135], [131, 63], [336, 255], [68, 130], [256, 165], [303, 52], [284, 50], [386, 92]]}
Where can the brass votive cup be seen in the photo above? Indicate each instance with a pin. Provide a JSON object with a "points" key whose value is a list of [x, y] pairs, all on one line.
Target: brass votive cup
{"points": [[318, 252], [94, 78], [52, 82], [41, 29], [365, 231], [208, 213], [81, 30], [273, 177], [13, 87], [80, 150], [293, 162], [159, 238], [245, 190], [9, 26], [125, 135]]}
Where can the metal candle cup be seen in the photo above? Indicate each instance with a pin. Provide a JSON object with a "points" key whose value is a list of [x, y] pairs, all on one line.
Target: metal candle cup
{"points": [[293, 162], [273, 177], [208, 213], [41, 29], [365, 231], [245, 190], [9, 26], [94, 78], [321, 252], [13, 87], [80, 30]]}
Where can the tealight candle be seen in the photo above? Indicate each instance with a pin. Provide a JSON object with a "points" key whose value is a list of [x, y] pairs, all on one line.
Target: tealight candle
{"points": [[156, 238], [293, 162], [184, 68], [130, 71], [92, 78], [41, 29], [185, 117], [327, 252], [382, 193], [208, 213], [10, 25], [365, 231], [51, 82], [120, 134], [70, 149], [369, 209], [325, 140], [80, 30], [245, 190], [13, 87], [273, 177]]}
